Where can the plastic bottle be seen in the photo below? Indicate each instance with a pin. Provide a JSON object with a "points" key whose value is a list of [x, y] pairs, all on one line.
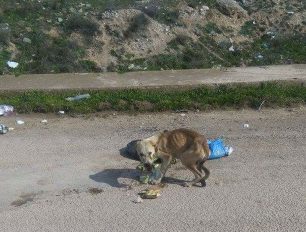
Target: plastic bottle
{"points": [[3, 129], [6, 110]]}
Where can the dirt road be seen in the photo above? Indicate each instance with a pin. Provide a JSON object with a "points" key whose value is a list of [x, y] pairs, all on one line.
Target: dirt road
{"points": [[47, 171], [154, 79]]}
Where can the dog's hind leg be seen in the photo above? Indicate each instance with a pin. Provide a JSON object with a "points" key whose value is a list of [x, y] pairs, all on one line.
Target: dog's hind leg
{"points": [[207, 173], [197, 174], [200, 167]]}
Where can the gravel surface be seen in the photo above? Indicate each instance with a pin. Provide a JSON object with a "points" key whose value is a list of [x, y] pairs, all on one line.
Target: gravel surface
{"points": [[68, 174]]}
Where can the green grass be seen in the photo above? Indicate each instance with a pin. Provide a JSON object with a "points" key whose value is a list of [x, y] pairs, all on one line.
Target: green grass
{"points": [[202, 98]]}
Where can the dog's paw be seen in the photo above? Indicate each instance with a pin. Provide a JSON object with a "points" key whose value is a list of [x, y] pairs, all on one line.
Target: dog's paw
{"points": [[203, 183], [154, 182], [186, 184]]}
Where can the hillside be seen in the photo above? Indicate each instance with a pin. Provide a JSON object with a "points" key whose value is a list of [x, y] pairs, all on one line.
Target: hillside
{"points": [[52, 36]]}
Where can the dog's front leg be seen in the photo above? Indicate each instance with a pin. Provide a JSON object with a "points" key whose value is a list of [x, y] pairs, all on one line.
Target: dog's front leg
{"points": [[166, 160]]}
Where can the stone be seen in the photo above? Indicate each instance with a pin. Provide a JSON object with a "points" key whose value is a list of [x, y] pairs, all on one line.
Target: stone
{"points": [[231, 8]]}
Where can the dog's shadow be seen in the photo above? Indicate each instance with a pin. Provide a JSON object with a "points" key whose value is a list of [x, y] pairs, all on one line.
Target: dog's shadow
{"points": [[111, 177]]}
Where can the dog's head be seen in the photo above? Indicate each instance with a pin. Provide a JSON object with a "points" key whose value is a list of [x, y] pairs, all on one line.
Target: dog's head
{"points": [[146, 150]]}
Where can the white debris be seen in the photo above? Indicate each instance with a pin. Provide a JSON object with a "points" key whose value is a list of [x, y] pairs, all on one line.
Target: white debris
{"points": [[6, 110], [61, 112], [183, 115], [138, 200], [19, 122], [60, 20], [204, 8], [290, 12], [246, 125], [231, 48], [44, 121], [12, 64], [27, 40], [78, 97]]}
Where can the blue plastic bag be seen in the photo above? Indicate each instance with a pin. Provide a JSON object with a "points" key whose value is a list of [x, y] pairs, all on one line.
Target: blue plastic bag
{"points": [[217, 149]]}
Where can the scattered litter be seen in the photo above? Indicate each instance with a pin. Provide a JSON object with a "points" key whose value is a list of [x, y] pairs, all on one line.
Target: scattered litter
{"points": [[12, 64], [149, 173], [149, 194], [204, 8], [61, 112], [60, 20], [78, 97], [152, 192], [259, 57], [290, 12], [183, 115], [138, 200], [19, 122], [218, 149], [6, 110], [231, 49], [95, 191], [3, 129], [259, 108], [27, 40], [181, 111], [246, 125], [44, 121], [11, 128]]}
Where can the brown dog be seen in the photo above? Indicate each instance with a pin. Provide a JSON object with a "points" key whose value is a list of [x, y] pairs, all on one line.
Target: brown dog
{"points": [[187, 145]]}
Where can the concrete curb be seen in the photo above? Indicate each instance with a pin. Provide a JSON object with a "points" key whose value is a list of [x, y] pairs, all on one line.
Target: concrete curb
{"points": [[153, 79]]}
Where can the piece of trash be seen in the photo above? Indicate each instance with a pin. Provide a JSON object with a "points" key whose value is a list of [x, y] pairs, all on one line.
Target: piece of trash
{"points": [[60, 20], [11, 128], [152, 192], [61, 112], [218, 150], [27, 40], [3, 129], [20, 122], [183, 115], [246, 125], [259, 57], [290, 12], [6, 110], [231, 49], [259, 108], [204, 7], [181, 111], [78, 97], [138, 200], [149, 193], [44, 121], [12, 64]]}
